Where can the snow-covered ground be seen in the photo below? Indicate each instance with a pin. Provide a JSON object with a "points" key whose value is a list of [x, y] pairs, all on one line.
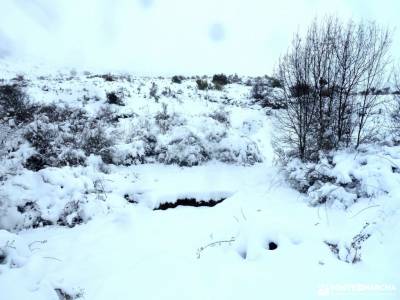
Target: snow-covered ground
{"points": [[263, 241]]}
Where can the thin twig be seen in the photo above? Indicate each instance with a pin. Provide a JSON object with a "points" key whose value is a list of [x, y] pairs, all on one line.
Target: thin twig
{"points": [[35, 242], [201, 249], [243, 215], [363, 210], [49, 257]]}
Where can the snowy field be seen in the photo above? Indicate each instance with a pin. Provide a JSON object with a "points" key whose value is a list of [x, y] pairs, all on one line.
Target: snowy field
{"points": [[96, 230]]}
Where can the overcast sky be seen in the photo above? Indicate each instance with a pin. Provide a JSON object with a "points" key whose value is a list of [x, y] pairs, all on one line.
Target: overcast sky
{"points": [[170, 36]]}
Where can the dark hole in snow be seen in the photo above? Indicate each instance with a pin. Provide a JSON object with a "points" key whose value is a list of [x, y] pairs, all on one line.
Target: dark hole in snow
{"points": [[189, 202], [272, 246], [2, 257]]}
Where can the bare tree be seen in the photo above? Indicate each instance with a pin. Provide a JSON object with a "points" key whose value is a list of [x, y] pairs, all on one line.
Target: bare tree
{"points": [[395, 112], [328, 79], [373, 66]]}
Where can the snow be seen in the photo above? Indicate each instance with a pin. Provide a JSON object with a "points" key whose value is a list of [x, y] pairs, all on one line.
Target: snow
{"points": [[126, 249], [153, 254]]}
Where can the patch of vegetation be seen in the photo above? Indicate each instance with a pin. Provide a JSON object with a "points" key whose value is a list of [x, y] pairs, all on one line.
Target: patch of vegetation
{"points": [[202, 84], [64, 137], [177, 79], [220, 79], [109, 77], [153, 91], [115, 98], [15, 104], [264, 95]]}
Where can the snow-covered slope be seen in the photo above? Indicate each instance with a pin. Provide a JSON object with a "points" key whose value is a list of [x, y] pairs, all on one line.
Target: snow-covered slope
{"points": [[92, 230]]}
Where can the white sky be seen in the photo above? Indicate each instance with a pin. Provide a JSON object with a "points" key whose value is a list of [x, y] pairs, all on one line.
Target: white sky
{"points": [[170, 36]]}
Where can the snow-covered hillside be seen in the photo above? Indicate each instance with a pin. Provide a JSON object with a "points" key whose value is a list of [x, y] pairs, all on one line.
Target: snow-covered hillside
{"points": [[121, 187]]}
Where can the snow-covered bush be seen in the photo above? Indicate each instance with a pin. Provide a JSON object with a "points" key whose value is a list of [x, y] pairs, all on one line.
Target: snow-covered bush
{"points": [[144, 137], [60, 113], [350, 251], [15, 105], [177, 79], [220, 79], [72, 214], [235, 78], [64, 137], [127, 154], [115, 98], [168, 137], [165, 120], [343, 177], [153, 93], [237, 150], [209, 138], [32, 215], [184, 149], [320, 184], [51, 144], [107, 114], [267, 96], [202, 84], [187, 148], [53, 196], [321, 192], [221, 115], [94, 139], [260, 90]]}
